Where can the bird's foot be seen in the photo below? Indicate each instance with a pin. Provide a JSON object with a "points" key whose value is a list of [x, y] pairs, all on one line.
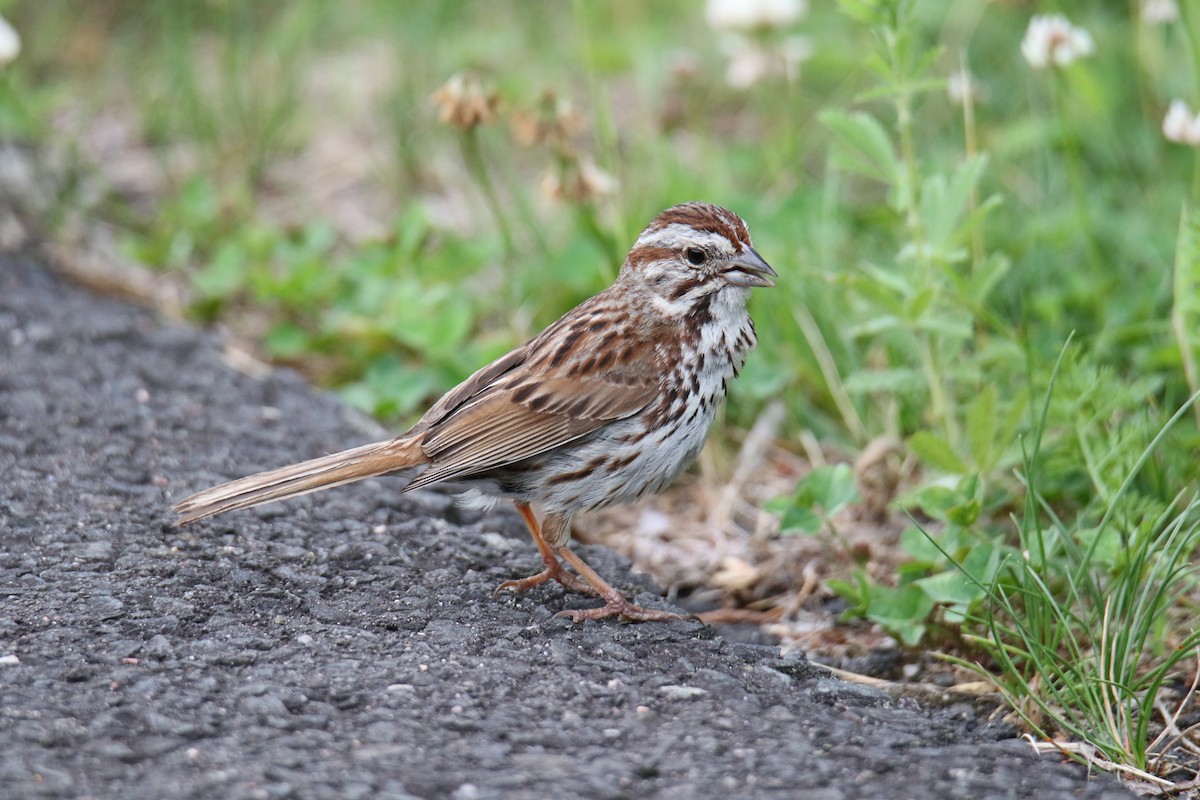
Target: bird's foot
{"points": [[552, 572], [622, 609], [615, 604]]}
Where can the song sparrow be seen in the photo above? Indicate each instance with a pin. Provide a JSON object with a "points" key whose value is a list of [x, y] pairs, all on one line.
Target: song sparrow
{"points": [[606, 405]]}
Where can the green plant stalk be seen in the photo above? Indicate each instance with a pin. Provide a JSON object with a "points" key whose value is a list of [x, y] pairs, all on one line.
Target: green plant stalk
{"points": [[589, 221], [477, 166], [939, 405], [527, 216], [826, 361], [912, 214], [829, 370], [1190, 12], [1032, 465], [971, 148], [1195, 200], [1185, 305], [585, 213], [607, 139], [1109, 664], [938, 398], [1073, 158], [1089, 461]]}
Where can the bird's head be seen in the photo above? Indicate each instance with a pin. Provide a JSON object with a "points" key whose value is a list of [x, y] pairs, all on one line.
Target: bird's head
{"points": [[693, 251]]}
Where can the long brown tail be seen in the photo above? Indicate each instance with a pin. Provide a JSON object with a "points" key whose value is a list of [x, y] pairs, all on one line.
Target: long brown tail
{"points": [[347, 466]]}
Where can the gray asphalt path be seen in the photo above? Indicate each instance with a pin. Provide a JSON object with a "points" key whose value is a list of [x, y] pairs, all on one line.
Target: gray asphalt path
{"points": [[347, 645]]}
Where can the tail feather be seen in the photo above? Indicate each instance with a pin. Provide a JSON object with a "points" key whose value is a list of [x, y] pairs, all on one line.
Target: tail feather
{"points": [[347, 466]]}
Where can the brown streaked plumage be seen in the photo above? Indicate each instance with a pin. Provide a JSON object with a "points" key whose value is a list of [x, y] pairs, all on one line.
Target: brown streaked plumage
{"points": [[606, 405]]}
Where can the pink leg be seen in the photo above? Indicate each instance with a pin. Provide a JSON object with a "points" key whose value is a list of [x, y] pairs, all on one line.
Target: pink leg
{"points": [[553, 571], [615, 604]]}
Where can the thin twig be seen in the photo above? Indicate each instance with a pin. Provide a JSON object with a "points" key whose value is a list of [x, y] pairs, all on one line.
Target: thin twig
{"points": [[1087, 752], [928, 691], [1171, 720], [750, 457]]}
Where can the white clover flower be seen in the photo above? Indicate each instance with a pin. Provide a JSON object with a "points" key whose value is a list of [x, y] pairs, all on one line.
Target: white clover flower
{"points": [[1180, 126], [10, 42], [752, 60], [1159, 12], [749, 62], [1052, 41], [746, 15]]}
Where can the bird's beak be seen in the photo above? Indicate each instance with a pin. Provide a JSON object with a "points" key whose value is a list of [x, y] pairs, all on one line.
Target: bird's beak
{"points": [[748, 269]]}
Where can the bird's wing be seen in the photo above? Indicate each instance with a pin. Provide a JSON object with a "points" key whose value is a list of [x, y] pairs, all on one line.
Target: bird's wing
{"points": [[563, 385]]}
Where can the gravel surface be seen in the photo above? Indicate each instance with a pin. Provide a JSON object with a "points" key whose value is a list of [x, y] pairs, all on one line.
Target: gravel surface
{"points": [[347, 645]]}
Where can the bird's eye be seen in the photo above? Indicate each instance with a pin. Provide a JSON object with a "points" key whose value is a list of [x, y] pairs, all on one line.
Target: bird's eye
{"points": [[694, 256]]}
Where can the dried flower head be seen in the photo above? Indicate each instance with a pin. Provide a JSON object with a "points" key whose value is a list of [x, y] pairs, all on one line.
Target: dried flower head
{"points": [[685, 65], [551, 121], [1159, 12], [1052, 41], [463, 103], [579, 181], [1180, 125], [10, 42], [748, 15]]}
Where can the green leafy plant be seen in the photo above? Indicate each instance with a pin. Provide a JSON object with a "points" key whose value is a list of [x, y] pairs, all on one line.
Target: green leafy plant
{"points": [[1079, 621], [941, 582], [817, 497]]}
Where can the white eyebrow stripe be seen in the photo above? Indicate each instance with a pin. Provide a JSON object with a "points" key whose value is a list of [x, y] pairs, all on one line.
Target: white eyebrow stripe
{"points": [[675, 234]]}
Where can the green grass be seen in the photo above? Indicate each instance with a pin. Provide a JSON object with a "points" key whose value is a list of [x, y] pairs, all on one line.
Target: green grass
{"points": [[935, 260], [1078, 620]]}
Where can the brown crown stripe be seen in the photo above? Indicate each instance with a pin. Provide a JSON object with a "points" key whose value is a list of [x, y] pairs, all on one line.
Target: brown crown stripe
{"points": [[707, 218]]}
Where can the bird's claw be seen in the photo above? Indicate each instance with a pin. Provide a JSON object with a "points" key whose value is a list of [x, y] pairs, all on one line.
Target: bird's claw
{"points": [[566, 579], [624, 610]]}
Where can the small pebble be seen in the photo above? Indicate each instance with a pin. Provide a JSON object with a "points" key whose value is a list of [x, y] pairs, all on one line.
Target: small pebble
{"points": [[9, 659], [681, 692]]}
